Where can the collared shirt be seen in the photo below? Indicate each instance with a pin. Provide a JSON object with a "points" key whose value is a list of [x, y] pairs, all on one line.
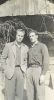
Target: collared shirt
{"points": [[39, 53], [21, 55], [35, 43], [18, 54]]}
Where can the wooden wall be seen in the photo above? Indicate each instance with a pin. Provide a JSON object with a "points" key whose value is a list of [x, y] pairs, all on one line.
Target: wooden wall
{"points": [[24, 7]]}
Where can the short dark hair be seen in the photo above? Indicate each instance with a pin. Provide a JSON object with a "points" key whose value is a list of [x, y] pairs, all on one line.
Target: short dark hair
{"points": [[31, 30]]}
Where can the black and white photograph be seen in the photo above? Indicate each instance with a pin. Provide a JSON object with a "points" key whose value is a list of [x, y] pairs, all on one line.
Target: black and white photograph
{"points": [[26, 49]]}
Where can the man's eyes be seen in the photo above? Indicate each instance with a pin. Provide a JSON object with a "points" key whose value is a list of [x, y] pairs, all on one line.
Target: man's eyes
{"points": [[20, 36]]}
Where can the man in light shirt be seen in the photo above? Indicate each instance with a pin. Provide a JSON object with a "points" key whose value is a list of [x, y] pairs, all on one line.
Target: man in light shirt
{"points": [[14, 63]]}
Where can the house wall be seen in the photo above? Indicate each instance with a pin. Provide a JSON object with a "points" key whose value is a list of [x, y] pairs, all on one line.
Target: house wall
{"points": [[26, 7]]}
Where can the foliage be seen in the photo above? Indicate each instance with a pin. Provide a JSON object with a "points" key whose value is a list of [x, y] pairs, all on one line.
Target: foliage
{"points": [[52, 1], [8, 30]]}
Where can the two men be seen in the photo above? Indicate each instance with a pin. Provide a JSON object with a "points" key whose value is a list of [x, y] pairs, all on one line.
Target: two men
{"points": [[38, 65], [14, 63]]}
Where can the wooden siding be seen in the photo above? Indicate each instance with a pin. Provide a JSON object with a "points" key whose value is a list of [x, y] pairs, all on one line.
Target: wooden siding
{"points": [[25, 7]]}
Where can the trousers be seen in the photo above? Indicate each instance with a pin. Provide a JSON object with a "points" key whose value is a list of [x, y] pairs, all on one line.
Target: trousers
{"points": [[35, 91], [14, 87]]}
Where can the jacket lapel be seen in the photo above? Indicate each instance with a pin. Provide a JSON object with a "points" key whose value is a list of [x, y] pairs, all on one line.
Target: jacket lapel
{"points": [[14, 50], [22, 54]]}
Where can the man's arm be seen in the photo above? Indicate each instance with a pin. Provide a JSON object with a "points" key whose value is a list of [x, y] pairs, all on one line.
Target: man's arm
{"points": [[45, 66], [45, 58]]}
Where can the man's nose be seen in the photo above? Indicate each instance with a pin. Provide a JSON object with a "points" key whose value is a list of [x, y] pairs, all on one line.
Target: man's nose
{"points": [[20, 37]]}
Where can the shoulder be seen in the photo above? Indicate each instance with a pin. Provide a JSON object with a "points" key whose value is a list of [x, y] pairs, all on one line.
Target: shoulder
{"points": [[42, 45], [9, 44], [26, 47], [44, 48]]}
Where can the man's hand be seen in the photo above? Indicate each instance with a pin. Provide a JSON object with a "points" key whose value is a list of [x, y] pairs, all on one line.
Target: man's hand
{"points": [[42, 79]]}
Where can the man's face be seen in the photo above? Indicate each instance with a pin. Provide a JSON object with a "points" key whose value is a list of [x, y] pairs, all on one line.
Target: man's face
{"points": [[19, 36], [33, 37]]}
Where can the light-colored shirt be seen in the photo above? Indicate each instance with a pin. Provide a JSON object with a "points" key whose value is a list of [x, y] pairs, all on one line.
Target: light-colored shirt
{"points": [[18, 55], [21, 55]]}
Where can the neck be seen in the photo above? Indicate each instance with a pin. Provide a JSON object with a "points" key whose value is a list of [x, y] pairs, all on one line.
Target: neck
{"points": [[18, 43], [35, 42]]}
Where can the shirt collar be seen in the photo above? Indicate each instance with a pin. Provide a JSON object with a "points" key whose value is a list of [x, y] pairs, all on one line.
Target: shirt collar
{"points": [[18, 44], [35, 43]]}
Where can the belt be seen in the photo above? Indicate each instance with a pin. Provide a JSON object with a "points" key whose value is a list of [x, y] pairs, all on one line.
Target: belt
{"points": [[34, 64], [17, 66]]}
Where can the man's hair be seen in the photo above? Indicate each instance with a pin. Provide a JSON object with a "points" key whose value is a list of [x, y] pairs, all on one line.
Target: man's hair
{"points": [[20, 30], [31, 30]]}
